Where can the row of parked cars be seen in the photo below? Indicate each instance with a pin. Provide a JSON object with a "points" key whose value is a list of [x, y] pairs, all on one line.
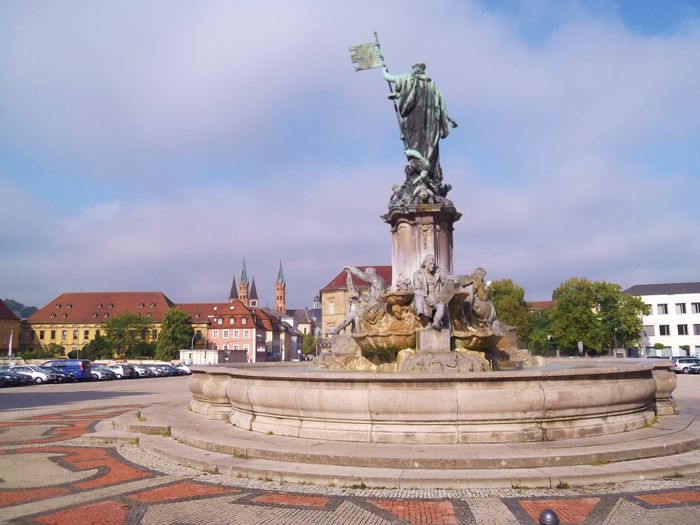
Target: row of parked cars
{"points": [[685, 365], [68, 370]]}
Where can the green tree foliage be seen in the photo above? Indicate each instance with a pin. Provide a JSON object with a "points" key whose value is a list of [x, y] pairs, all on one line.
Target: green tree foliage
{"points": [[175, 334], [308, 345], [541, 340], [596, 313], [125, 333], [46, 352], [98, 348], [511, 307]]}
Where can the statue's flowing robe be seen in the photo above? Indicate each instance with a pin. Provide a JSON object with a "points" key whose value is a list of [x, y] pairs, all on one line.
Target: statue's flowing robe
{"points": [[423, 117]]}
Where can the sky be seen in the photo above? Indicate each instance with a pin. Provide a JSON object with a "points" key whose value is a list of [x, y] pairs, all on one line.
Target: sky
{"points": [[153, 145]]}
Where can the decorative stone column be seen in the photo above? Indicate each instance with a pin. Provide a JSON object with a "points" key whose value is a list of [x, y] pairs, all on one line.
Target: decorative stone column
{"points": [[416, 231]]}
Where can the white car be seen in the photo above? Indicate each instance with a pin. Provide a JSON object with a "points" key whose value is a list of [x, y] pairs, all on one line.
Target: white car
{"points": [[37, 374], [185, 368]]}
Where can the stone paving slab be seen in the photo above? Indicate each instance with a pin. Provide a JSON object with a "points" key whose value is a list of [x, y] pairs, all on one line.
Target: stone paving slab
{"points": [[122, 483]]}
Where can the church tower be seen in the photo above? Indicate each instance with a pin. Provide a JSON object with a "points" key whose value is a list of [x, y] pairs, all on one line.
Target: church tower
{"points": [[281, 292], [243, 286], [233, 294], [253, 297]]}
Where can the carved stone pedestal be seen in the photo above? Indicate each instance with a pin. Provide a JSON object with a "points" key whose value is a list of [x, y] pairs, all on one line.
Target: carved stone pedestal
{"points": [[429, 340], [416, 231]]}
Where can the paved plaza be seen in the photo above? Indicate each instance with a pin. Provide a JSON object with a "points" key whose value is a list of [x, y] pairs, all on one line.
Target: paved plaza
{"points": [[51, 473]]}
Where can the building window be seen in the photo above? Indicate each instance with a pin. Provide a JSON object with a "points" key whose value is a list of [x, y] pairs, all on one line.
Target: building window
{"points": [[246, 347], [213, 347], [662, 309], [53, 334], [75, 334], [682, 329], [41, 333], [219, 321], [649, 330], [696, 329], [225, 346], [680, 308], [155, 334], [246, 333], [331, 308], [695, 308], [231, 320], [236, 334], [244, 320], [235, 347], [31, 336], [664, 329], [225, 334], [215, 334], [86, 334], [64, 335]]}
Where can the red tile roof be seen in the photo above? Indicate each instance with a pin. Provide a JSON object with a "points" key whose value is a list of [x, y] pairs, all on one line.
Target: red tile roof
{"points": [[92, 307], [541, 305], [200, 312], [6, 313], [338, 282]]}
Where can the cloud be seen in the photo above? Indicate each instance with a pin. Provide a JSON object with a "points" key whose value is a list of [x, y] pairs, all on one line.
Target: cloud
{"points": [[153, 146]]}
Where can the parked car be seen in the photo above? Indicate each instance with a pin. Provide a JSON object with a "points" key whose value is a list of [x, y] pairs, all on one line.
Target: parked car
{"points": [[184, 368], [123, 371], [37, 374], [7, 378], [102, 373], [22, 378], [78, 368], [682, 364], [60, 375], [144, 371]]}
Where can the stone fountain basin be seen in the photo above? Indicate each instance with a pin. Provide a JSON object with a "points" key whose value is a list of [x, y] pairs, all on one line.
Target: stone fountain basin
{"points": [[489, 407]]}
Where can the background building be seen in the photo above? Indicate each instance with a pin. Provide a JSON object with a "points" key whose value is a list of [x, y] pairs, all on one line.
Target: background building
{"points": [[674, 318], [9, 329]]}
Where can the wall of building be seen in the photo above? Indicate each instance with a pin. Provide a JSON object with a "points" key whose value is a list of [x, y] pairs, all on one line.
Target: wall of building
{"points": [[674, 322]]}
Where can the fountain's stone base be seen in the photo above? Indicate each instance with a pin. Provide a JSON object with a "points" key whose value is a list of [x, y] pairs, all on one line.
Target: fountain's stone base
{"points": [[525, 405]]}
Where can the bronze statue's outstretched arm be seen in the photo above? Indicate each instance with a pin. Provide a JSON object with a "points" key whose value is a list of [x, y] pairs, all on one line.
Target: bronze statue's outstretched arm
{"points": [[388, 77]]}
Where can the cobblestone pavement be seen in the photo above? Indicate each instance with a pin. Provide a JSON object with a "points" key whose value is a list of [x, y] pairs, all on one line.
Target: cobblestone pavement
{"points": [[49, 474]]}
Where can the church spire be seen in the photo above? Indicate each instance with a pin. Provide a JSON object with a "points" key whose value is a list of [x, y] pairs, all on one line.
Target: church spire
{"points": [[253, 297], [280, 274], [244, 273], [233, 294]]}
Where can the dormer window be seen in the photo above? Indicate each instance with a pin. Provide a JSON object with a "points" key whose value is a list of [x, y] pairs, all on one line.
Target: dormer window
{"points": [[148, 314], [94, 316], [230, 307], [63, 316], [216, 308], [110, 305], [99, 306], [58, 305], [141, 305], [153, 305], [53, 316], [69, 306], [106, 316], [196, 316]]}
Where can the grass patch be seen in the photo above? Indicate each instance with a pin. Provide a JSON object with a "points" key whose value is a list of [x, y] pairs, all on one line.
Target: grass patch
{"points": [[360, 486], [562, 485]]}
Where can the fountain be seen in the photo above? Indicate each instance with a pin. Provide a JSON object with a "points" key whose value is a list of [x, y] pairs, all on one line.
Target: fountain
{"points": [[427, 360]]}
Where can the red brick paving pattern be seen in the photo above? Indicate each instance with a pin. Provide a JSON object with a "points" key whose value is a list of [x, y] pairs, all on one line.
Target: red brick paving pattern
{"points": [[419, 512], [16, 496], [104, 513], [181, 490], [292, 499], [671, 498], [570, 511]]}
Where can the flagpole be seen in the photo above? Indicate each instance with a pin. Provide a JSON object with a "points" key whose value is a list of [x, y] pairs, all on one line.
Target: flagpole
{"points": [[391, 91]]}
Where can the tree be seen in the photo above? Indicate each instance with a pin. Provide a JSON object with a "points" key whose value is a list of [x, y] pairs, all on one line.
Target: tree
{"points": [[98, 348], [175, 334], [597, 314], [541, 340], [511, 308], [125, 332], [308, 344]]}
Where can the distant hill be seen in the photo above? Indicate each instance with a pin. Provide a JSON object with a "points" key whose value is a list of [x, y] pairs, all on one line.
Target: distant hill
{"points": [[19, 309]]}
